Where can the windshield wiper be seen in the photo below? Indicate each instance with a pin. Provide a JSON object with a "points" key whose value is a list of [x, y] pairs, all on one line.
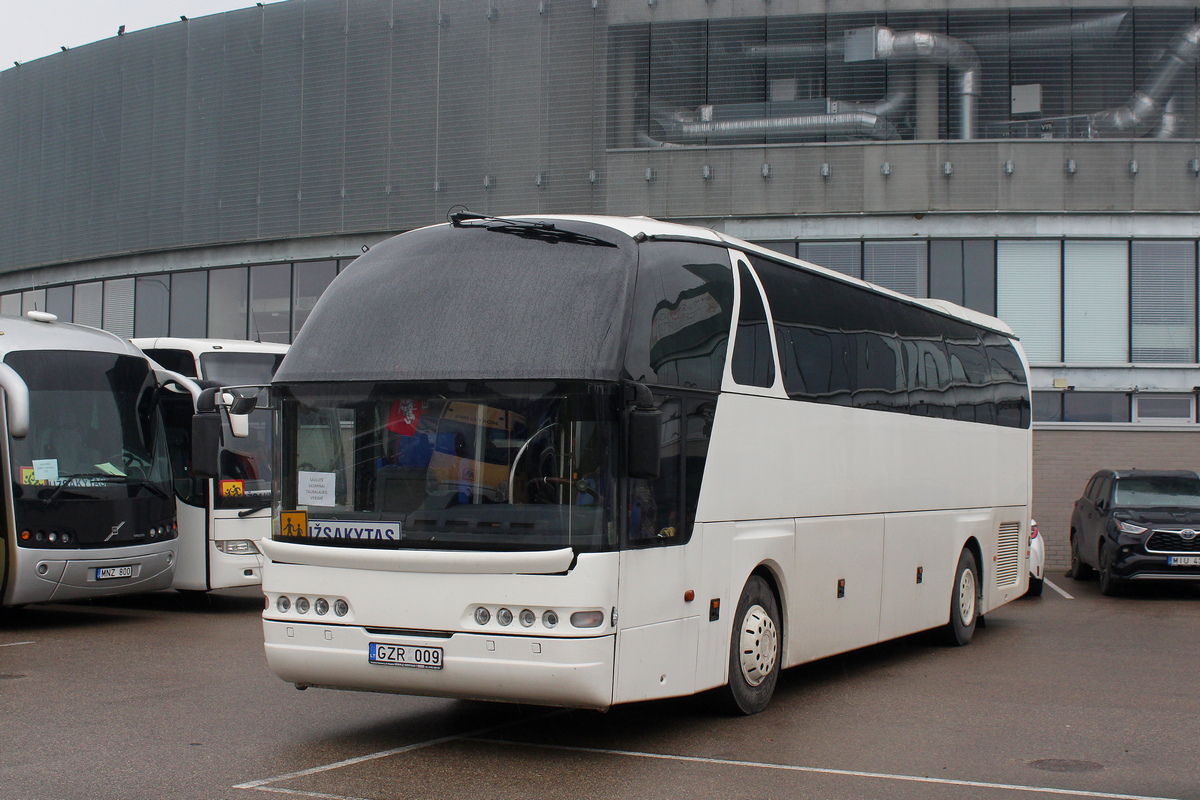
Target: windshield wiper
{"points": [[254, 509], [103, 477], [66, 482], [530, 229]]}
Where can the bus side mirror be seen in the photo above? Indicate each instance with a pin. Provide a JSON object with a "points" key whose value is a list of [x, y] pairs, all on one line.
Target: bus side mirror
{"points": [[206, 445], [242, 405], [16, 401], [644, 428]]}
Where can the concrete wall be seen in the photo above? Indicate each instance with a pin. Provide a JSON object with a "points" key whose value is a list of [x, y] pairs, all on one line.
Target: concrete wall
{"points": [[1064, 460]]}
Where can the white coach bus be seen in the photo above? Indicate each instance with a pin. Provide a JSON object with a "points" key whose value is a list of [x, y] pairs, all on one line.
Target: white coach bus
{"points": [[86, 503], [588, 461], [222, 517]]}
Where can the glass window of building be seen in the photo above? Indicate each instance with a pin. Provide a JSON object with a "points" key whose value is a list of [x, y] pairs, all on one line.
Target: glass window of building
{"points": [[60, 302], [227, 298], [1095, 407], [963, 271], [1096, 302], [118, 306], [312, 278], [270, 303], [89, 304], [900, 266], [843, 257], [1162, 286], [1047, 406], [1164, 409], [10, 305], [1029, 295], [152, 305], [189, 304], [33, 300]]}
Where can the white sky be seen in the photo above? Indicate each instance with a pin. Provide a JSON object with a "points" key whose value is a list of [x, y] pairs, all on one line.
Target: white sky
{"points": [[31, 29]]}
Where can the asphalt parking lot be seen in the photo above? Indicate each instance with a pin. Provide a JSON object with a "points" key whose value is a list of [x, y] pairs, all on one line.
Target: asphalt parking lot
{"points": [[168, 696]]}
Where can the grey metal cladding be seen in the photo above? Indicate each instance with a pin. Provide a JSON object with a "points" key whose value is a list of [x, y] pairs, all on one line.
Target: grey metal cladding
{"points": [[440, 304], [206, 53], [279, 138], [322, 117], [368, 91], [241, 103], [168, 148]]}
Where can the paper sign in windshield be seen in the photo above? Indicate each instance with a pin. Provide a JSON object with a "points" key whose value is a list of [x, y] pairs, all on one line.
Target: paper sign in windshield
{"points": [[317, 489], [45, 469]]}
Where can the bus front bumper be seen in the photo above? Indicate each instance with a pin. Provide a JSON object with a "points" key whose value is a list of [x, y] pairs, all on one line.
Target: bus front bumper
{"points": [[572, 672], [45, 575]]}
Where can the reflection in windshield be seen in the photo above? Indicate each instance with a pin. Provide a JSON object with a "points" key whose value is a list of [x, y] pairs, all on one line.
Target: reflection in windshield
{"points": [[1162, 491], [91, 421], [491, 465]]}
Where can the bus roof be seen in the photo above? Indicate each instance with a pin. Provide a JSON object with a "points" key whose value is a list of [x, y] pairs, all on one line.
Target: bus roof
{"points": [[24, 333], [549, 301], [198, 346]]}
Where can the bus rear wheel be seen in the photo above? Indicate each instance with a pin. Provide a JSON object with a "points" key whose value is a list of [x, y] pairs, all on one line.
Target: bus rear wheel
{"points": [[964, 601], [754, 650]]}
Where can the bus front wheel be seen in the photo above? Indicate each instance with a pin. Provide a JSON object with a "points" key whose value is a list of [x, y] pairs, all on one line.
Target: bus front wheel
{"points": [[754, 650], [964, 600]]}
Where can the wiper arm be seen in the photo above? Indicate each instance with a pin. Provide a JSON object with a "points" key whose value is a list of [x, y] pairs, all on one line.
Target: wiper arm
{"points": [[66, 481], [254, 509], [142, 483], [532, 229]]}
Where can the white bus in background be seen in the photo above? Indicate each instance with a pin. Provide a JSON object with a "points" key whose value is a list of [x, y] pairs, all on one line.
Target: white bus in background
{"points": [[677, 462], [86, 503], [221, 519]]}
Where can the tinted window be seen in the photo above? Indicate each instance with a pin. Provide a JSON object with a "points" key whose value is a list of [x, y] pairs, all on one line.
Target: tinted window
{"points": [[682, 312], [753, 363]]}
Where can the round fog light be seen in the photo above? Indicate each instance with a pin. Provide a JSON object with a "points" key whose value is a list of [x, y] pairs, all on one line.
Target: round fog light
{"points": [[341, 608], [482, 616], [322, 606], [53, 537], [504, 616], [527, 617], [549, 619], [302, 605], [283, 604]]}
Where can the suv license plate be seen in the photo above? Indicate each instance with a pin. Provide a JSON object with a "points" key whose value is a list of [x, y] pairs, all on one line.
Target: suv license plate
{"points": [[1184, 561], [104, 573], [405, 655]]}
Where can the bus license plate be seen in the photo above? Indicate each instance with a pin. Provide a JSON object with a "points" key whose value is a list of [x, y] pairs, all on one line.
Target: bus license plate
{"points": [[405, 655], [1184, 561], [104, 573]]}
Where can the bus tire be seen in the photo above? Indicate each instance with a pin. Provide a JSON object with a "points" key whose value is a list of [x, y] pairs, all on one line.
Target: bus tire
{"points": [[964, 601], [754, 650]]}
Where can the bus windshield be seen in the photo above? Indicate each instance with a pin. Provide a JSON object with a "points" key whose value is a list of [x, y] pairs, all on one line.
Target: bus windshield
{"points": [[245, 463], [495, 465], [94, 434]]}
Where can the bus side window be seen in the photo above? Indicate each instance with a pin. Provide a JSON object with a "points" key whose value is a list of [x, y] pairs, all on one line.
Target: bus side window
{"points": [[654, 505], [753, 362]]}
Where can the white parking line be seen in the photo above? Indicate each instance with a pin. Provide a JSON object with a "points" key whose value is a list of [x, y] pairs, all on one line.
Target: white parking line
{"points": [[261, 784], [1051, 584], [827, 771], [14, 644]]}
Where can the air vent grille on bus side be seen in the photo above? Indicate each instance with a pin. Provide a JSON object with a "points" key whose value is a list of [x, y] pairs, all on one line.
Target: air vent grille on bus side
{"points": [[1008, 554]]}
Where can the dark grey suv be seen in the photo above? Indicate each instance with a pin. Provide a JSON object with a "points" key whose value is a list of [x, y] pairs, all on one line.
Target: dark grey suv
{"points": [[1137, 525]]}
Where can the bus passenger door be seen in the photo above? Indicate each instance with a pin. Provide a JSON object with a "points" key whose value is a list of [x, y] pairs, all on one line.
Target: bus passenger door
{"points": [[657, 625]]}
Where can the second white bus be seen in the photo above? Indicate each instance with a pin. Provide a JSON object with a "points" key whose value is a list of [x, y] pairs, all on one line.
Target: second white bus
{"points": [[221, 519], [587, 461]]}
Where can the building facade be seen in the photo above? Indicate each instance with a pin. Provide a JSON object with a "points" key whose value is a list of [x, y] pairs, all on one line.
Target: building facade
{"points": [[1040, 162]]}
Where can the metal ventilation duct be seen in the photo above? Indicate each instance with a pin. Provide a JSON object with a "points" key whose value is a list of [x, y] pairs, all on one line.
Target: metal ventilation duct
{"points": [[1148, 106]]}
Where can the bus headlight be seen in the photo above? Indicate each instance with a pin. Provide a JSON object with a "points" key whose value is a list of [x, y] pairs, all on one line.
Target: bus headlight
{"points": [[549, 619], [527, 618], [482, 616], [341, 607], [322, 606], [504, 617], [237, 547], [283, 604], [301, 605]]}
